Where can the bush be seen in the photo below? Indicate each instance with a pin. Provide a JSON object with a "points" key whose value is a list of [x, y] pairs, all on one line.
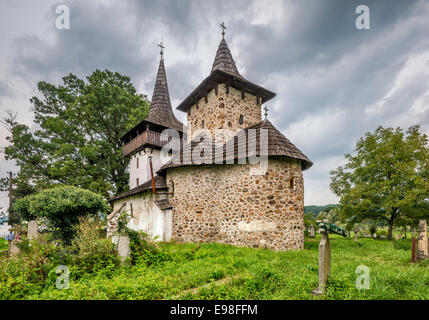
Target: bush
{"points": [[27, 273], [144, 252], [61, 207], [404, 244], [93, 251], [380, 233], [372, 228]]}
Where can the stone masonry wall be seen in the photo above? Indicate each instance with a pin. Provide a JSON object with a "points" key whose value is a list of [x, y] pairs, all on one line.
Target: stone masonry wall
{"points": [[222, 111], [224, 203]]}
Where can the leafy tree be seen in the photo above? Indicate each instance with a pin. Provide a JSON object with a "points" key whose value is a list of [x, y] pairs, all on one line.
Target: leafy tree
{"points": [[387, 179], [332, 215], [77, 139], [61, 207]]}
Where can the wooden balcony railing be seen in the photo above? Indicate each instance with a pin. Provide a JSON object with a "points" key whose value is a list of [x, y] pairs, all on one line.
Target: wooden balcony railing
{"points": [[149, 138]]}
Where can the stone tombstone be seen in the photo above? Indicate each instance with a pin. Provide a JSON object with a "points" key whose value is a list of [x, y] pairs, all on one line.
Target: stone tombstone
{"points": [[312, 232], [356, 232], [124, 246], [422, 241], [33, 230], [324, 263], [13, 248]]}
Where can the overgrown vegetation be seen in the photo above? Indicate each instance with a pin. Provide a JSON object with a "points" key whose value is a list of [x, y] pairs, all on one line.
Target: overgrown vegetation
{"points": [[61, 207], [214, 271], [3, 244]]}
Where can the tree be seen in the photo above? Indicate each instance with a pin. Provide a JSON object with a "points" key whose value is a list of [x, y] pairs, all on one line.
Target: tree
{"points": [[61, 207], [77, 140], [387, 179]]}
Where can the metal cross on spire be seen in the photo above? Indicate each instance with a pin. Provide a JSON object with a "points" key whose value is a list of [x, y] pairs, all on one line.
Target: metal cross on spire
{"points": [[266, 112], [161, 45], [222, 25]]}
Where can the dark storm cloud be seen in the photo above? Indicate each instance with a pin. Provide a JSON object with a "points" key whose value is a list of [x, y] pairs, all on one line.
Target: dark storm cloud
{"points": [[97, 39], [333, 82]]}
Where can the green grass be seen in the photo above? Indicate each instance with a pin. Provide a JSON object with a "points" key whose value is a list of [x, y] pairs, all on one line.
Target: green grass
{"points": [[257, 274], [3, 244]]}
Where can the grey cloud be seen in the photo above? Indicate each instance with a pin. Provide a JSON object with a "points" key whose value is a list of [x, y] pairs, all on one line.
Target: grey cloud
{"points": [[325, 72]]}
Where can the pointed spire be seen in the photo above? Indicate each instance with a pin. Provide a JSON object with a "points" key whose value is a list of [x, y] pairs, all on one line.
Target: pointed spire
{"points": [[224, 60], [160, 111]]}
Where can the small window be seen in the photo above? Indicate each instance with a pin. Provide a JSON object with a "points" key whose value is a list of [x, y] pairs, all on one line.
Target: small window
{"points": [[202, 124], [137, 181], [240, 121], [292, 183], [137, 164], [171, 186]]}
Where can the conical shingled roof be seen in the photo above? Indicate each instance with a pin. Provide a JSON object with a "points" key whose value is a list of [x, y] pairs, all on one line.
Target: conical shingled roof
{"points": [[160, 111], [224, 70], [224, 60]]}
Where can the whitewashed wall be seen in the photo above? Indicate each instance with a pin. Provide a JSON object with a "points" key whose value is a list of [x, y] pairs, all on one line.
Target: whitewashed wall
{"points": [[147, 217], [143, 171]]}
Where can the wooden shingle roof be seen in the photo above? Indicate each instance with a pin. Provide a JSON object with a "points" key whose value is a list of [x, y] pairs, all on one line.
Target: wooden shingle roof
{"points": [[276, 145], [159, 184], [161, 114], [163, 204], [224, 60], [160, 111]]}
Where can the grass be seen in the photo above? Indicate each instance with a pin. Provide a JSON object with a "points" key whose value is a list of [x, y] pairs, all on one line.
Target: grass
{"points": [[216, 271], [3, 244]]}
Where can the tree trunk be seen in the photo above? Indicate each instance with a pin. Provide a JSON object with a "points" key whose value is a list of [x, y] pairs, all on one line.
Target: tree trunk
{"points": [[392, 219], [390, 232]]}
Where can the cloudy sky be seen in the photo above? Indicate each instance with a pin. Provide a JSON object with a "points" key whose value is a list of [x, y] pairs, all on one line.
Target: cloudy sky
{"points": [[333, 81]]}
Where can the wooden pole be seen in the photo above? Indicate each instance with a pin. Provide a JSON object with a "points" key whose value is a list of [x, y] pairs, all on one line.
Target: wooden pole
{"points": [[413, 250], [10, 197]]}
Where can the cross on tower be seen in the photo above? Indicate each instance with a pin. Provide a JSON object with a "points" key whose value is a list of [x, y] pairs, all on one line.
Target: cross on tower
{"points": [[222, 25], [266, 112], [161, 45]]}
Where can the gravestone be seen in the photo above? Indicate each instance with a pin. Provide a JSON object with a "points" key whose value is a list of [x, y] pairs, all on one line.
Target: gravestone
{"points": [[312, 232], [356, 232], [124, 246], [33, 230], [422, 241], [13, 248], [324, 262]]}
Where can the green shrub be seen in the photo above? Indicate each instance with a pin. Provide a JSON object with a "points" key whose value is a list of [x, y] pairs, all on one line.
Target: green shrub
{"points": [[3, 244], [93, 251], [403, 244], [26, 273], [144, 252], [380, 233], [61, 207]]}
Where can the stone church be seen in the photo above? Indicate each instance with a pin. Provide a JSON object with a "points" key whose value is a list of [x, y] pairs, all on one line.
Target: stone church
{"points": [[210, 187]]}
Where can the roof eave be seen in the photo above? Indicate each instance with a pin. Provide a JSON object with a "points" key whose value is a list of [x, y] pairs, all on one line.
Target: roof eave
{"points": [[123, 138], [219, 76]]}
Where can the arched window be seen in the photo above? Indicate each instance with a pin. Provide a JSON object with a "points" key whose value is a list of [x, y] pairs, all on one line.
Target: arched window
{"points": [[292, 183], [240, 121], [202, 124]]}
